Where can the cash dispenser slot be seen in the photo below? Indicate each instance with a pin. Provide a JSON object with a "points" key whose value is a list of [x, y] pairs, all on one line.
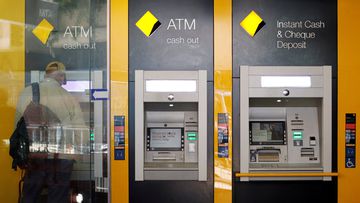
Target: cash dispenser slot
{"points": [[164, 156]]}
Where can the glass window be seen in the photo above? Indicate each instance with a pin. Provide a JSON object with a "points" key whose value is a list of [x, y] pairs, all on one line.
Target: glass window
{"points": [[65, 51]]}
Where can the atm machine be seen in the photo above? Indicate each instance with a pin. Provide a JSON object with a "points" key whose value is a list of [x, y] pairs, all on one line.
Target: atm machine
{"points": [[285, 121], [170, 125]]}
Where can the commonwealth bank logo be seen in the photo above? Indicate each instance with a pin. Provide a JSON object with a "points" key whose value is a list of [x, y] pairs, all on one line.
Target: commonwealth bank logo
{"points": [[148, 24], [252, 23], [42, 30]]}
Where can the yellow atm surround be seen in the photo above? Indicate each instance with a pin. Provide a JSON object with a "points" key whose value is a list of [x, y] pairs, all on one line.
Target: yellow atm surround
{"points": [[12, 78], [348, 95]]}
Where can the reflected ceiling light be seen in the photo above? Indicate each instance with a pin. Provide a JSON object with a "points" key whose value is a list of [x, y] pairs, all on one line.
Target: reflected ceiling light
{"points": [[170, 85], [76, 86], [285, 81], [79, 198], [6, 141], [5, 33]]}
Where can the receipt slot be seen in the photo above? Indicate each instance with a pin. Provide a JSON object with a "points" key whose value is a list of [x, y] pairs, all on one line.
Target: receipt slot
{"points": [[170, 125], [285, 121]]}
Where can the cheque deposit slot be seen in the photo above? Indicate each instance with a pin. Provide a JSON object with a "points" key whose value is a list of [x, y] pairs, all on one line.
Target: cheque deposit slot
{"points": [[285, 121], [170, 125]]}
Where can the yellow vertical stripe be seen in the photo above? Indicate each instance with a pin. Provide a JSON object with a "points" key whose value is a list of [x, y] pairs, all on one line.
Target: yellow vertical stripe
{"points": [[12, 76], [348, 96], [222, 94], [119, 175]]}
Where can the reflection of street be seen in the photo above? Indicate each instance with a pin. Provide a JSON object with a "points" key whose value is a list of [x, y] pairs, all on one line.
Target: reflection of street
{"points": [[276, 131], [222, 104], [5, 126], [224, 178], [58, 139], [267, 131]]}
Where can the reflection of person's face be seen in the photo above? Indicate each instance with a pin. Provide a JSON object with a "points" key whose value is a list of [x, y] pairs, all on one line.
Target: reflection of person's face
{"points": [[61, 78], [64, 79]]}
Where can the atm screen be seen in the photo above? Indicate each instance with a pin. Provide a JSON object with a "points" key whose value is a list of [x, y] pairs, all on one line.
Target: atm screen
{"points": [[165, 138], [267, 133]]}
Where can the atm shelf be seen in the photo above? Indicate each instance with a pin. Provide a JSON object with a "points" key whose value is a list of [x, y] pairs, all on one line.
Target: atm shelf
{"points": [[171, 166], [285, 174], [283, 166]]}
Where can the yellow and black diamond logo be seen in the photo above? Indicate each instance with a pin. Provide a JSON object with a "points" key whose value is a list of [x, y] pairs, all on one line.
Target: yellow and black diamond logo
{"points": [[43, 30], [252, 23], [148, 23]]}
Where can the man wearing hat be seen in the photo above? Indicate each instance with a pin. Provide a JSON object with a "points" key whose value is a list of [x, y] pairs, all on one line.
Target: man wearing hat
{"points": [[53, 170]]}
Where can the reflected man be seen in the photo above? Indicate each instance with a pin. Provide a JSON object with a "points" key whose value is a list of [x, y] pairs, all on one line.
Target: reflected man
{"points": [[52, 166]]}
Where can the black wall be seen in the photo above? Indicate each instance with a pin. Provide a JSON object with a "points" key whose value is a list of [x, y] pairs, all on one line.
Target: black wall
{"points": [[155, 53], [262, 50]]}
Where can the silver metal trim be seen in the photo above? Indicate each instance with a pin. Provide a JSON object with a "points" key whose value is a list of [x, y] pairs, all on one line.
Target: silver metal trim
{"points": [[97, 82], [108, 180], [139, 125], [202, 115], [326, 123], [244, 122]]}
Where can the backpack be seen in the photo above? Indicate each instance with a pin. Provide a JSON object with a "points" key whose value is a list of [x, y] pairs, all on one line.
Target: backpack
{"points": [[35, 114], [19, 145]]}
